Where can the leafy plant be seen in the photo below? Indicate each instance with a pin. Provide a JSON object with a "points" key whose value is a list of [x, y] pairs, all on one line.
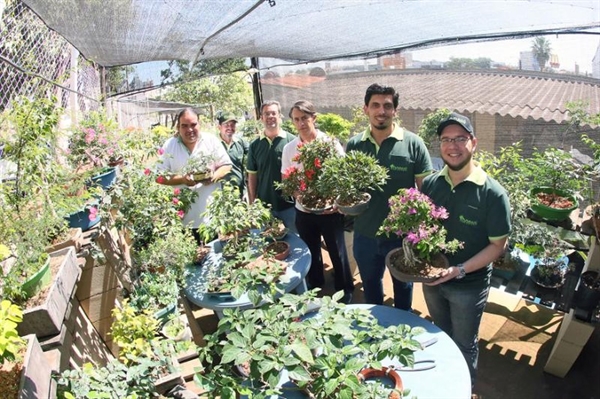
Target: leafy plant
{"points": [[418, 220], [228, 215], [199, 164], [321, 352], [95, 141], [335, 125], [131, 380], [305, 180], [133, 331], [352, 175], [154, 291], [11, 344], [428, 127]]}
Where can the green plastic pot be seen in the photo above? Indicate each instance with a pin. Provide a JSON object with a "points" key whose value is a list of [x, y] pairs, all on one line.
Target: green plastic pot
{"points": [[549, 213], [37, 281]]}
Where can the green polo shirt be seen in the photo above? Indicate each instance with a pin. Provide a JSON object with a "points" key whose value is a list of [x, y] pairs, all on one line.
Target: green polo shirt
{"points": [[479, 212], [237, 151], [264, 159], [405, 156]]}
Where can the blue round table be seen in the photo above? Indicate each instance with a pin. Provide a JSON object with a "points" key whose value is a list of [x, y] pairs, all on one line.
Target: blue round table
{"points": [[449, 379], [294, 278]]}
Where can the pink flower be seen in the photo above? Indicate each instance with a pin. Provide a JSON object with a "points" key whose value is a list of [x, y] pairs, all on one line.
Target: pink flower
{"points": [[93, 213], [160, 179], [181, 214], [302, 186], [147, 172], [176, 191], [161, 151], [176, 201], [90, 136], [289, 171]]}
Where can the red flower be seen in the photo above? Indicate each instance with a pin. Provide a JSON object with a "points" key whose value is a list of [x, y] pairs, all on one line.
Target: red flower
{"points": [[160, 179], [176, 191], [147, 172], [161, 151], [309, 174], [317, 163], [176, 201], [303, 186], [181, 214], [296, 158], [289, 171]]}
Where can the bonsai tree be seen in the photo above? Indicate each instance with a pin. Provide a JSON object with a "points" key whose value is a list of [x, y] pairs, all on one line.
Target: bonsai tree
{"points": [[322, 352], [229, 216], [350, 177]]}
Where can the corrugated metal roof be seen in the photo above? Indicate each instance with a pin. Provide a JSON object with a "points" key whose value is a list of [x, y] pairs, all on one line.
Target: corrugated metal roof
{"points": [[515, 93]]}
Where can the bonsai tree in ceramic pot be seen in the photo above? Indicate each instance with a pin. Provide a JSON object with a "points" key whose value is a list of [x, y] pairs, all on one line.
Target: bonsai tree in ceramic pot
{"points": [[320, 353], [418, 220], [199, 167], [351, 177]]}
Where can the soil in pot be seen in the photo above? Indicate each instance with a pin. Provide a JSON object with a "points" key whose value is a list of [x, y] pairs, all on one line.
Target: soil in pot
{"points": [[420, 271], [316, 205], [201, 253], [280, 249], [551, 281], [554, 200], [354, 208]]}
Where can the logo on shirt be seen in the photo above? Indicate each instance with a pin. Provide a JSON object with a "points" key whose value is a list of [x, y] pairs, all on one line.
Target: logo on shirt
{"points": [[398, 168], [466, 221]]}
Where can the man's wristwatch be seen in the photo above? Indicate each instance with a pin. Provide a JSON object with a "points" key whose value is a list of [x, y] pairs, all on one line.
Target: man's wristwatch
{"points": [[461, 271]]}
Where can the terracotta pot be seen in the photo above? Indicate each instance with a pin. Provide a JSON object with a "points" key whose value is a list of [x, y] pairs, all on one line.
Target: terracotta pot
{"points": [[281, 249], [384, 372]]}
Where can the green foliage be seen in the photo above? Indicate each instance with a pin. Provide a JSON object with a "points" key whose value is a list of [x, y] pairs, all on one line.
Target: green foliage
{"points": [[557, 169], [468, 63], [428, 127], [95, 140], [335, 125], [134, 380], [360, 121], [288, 126], [228, 214], [541, 48], [508, 168], [322, 352], [251, 129], [133, 331], [229, 92], [10, 341], [351, 175], [154, 291]]}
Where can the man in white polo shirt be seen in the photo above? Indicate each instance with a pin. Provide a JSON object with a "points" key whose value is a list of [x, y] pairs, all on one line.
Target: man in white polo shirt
{"points": [[188, 143]]}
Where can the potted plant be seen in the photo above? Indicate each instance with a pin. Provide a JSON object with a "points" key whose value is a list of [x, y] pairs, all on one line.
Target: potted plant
{"points": [[556, 181], [418, 220], [274, 229], [350, 177], [549, 255], [230, 217], [587, 296], [321, 353], [303, 182], [199, 167]]}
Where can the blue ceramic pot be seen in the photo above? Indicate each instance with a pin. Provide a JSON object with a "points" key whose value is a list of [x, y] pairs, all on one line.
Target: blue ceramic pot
{"points": [[82, 220], [105, 179]]}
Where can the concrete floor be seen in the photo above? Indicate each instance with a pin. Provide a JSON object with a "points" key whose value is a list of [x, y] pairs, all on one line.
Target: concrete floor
{"points": [[516, 338]]}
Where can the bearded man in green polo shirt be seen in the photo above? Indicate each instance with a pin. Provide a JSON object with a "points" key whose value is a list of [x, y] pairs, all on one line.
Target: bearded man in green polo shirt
{"points": [[407, 159], [479, 216]]}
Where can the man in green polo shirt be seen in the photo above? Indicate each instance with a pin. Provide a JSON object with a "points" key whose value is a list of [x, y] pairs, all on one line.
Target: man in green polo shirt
{"points": [[264, 165], [479, 216], [236, 148], [408, 161]]}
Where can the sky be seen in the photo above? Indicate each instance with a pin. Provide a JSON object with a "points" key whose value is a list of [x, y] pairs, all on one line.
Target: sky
{"points": [[571, 50]]}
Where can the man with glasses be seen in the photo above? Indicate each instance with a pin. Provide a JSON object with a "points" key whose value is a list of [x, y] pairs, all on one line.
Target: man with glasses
{"points": [[407, 159], [479, 217]]}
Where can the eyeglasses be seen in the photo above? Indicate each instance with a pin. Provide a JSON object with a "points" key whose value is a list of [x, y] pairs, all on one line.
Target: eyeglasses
{"points": [[458, 140]]}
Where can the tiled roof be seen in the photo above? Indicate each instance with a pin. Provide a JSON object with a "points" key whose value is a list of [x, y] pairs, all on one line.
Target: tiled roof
{"points": [[522, 94]]}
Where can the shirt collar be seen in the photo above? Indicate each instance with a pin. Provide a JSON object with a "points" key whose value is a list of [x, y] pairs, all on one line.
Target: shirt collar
{"points": [[477, 176], [397, 133], [281, 133]]}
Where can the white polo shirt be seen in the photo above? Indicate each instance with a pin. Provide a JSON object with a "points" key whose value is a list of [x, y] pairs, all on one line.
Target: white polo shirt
{"points": [[176, 156]]}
